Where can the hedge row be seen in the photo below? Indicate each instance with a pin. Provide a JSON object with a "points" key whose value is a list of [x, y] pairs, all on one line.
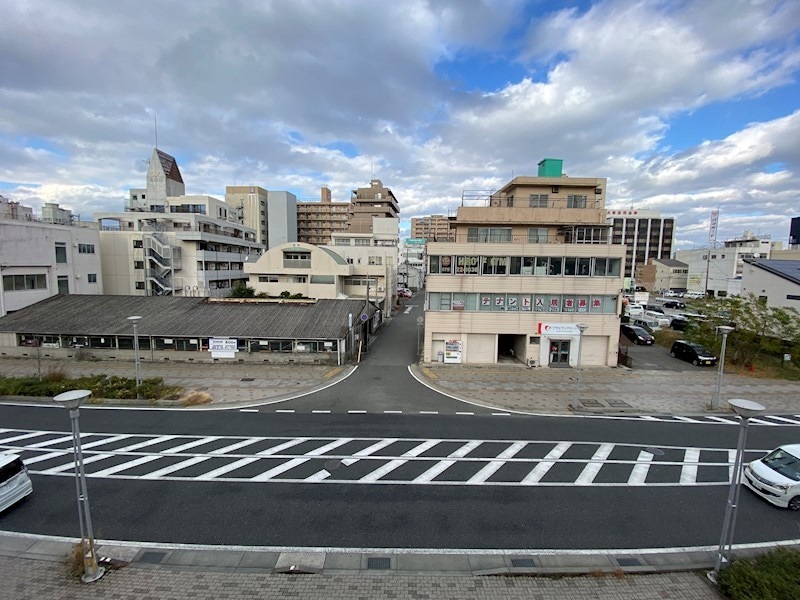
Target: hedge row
{"points": [[101, 386], [771, 576]]}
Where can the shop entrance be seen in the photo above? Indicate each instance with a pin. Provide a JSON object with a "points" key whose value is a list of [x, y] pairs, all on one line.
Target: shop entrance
{"points": [[559, 353]]}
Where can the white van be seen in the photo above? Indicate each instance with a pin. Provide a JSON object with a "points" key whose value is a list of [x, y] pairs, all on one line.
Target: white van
{"points": [[662, 319], [634, 310], [14, 481]]}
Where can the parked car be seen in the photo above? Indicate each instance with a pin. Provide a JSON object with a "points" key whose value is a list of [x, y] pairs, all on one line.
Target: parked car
{"points": [[654, 308], [692, 352], [776, 477], [634, 310], [680, 323], [648, 324], [674, 304], [404, 293], [659, 317], [637, 335], [14, 481]]}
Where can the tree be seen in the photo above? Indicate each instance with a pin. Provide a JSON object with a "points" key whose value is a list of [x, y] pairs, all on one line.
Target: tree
{"points": [[242, 290], [760, 329]]}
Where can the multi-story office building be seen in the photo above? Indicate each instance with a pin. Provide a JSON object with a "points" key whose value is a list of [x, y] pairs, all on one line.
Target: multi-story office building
{"points": [[531, 275], [318, 221], [368, 203], [40, 259], [663, 274], [717, 271], [435, 228], [167, 243], [644, 233]]}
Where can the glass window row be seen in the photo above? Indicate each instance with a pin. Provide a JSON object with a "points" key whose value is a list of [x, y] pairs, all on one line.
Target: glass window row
{"points": [[525, 265], [487, 301]]}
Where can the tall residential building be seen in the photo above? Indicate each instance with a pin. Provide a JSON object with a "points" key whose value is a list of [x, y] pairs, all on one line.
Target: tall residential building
{"points": [[375, 201], [251, 203], [435, 228], [39, 259], [165, 244], [318, 221], [645, 234], [531, 275]]}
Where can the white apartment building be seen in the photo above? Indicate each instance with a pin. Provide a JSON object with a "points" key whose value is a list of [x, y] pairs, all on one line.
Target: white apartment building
{"points": [[39, 260], [717, 271], [168, 243]]}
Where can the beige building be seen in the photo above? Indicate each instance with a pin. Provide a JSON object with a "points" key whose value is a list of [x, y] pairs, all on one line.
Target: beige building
{"points": [[249, 204], [318, 221], [173, 245], [529, 263], [39, 258], [435, 228], [663, 274]]}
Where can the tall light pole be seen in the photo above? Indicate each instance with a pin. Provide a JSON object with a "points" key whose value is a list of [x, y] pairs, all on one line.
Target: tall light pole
{"points": [[576, 404], [723, 330], [135, 320], [72, 401], [745, 409]]}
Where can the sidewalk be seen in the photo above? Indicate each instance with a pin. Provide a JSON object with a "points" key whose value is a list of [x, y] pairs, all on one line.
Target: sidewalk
{"points": [[36, 570]]}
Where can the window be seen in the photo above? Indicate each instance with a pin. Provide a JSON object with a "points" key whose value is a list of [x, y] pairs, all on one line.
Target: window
{"points": [[576, 201], [268, 279], [16, 283], [488, 234], [85, 248], [362, 242], [375, 260], [342, 241], [91, 278], [138, 244], [323, 279], [441, 264], [296, 279], [538, 200], [138, 264], [494, 265], [61, 252], [140, 285], [537, 235], [63, 284], [510, 201]]}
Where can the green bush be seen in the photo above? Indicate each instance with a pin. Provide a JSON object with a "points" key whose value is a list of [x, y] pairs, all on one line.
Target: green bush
{"points": [[771, 576], [101, 386]]}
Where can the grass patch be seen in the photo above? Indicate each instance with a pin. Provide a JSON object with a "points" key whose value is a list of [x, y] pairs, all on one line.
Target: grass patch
{"points": [[101, 386], [195, 398], [74, 560], [771, 576]]}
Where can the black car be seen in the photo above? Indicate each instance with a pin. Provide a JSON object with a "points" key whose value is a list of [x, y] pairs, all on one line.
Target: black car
{"points": [[637, 335], [693, 353], [674, 304]]}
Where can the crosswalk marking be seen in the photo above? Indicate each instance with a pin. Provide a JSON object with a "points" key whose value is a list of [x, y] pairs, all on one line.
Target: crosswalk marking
{"points": [[723, 420], [280, 447], [641, 468], [487, 471], [71, 465], [126, 465], [437, 469], [24, 436], [512, 450], [176, 467], [236, 446], [591, 470], [145, 443], [785, 419], [194, 444], [266, 475], [465, 449], [54, 441], [375, 447], [731, 462], [227, 468], [328, 447], [384, 470], [416, 451], [540, 470], [689, 469]]}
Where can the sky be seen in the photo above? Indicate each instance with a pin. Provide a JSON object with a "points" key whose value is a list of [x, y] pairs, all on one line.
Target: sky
{"points": [[685, 106]]}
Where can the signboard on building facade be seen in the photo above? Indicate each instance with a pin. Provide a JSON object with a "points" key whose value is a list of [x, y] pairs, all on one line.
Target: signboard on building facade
{"points": [[415, 242], [452, 351], [557, 329], [223, 347]]}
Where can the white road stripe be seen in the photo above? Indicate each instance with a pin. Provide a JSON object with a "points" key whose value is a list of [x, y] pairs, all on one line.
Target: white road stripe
{"points": [[723, 420], [512, 450], [501, 414], [71, 465], [785, 420], [686, 419], [465, 449], [356, 412], [280, 447], [375, 447], [248, 410], [465, 413], [318, 476], [126, 465], [731, 462], [543, 467], [144, 444], [236, 446], [227, 468], [640, 469], [176, 467], [284, 410], [762, 421], [56, 441], [417, 450], [23, 436], [487, 471], [279, 469], [429, 412], [110, 440], [689, 469], [48, 456], [320, 412], [393, 412], [437, 469], [591, 470], [327, 447], [383, 470], [189, 445], [649, 418]]}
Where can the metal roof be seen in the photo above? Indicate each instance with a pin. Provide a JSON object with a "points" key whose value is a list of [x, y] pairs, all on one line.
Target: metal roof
{"points": [[172, 316], [670, 262], [786, 269]]}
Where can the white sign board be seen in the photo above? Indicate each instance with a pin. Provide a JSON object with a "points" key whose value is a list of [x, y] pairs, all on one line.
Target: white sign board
{"points": [[557, 329], [222, 347]]}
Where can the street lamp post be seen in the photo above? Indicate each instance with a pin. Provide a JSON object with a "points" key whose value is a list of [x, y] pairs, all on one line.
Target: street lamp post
{"points": [[576, 404], [72, 401], [745, 409], [723, 330], [135, 320]]}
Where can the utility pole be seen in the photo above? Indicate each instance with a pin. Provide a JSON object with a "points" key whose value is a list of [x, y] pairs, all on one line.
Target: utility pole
{"points": [[366, 310]]}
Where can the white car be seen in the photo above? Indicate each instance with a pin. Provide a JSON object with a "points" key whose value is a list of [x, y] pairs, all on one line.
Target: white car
{"points": [[776, 477], [14, 481]]}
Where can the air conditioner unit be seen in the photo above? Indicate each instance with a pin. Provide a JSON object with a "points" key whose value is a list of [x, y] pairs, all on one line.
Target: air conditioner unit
{"points": [[533, 362]]}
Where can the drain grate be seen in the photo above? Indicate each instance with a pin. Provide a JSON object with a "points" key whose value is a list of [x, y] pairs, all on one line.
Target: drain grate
{"points": [[522, 562], [152, 558], [618, 404], [247, 379], [379, 563], [629, 562], [588, 402]]}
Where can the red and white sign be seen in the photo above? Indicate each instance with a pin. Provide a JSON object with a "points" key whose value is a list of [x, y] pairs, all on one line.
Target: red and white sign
{"points": [[557, 329]]}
